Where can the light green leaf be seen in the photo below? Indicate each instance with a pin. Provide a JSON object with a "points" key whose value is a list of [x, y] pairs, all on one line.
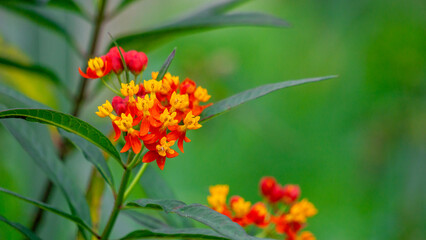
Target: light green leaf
{"points": [[24, 230], [68, 123], [42, 21], [217, 221], [145, 220], [67, 5], [43, 71], [156, 187], [240, 98], [36, 141], [191, 233], [209, 18], [92, 154], [123, 5], [12, 98], [166, 65], [50, 209]]}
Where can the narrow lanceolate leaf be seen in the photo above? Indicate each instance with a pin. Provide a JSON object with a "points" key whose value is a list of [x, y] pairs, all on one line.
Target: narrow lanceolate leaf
{"points": [[92, 154], [240, 98], [22, 229], [41, 20], [156, 187], [145, 220], [191, 233], [218, 222], [66, 122], [40, 70], [35, 140], [123, 4], [68, 5], [212, 17], [49, 208], [166, 65]]}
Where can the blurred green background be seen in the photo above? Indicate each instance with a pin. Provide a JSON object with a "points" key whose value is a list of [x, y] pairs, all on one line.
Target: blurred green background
{"points": [[355, 144]]}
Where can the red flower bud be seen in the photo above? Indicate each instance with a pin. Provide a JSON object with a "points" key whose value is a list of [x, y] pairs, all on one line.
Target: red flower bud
{"points": [[267, 184], [136, 61], [276, 194], [291, 193], [119, 105], [115, 58], [187, 86], [258, 215]]}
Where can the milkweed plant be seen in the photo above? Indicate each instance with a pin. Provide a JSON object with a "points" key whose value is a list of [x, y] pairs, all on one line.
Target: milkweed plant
{"points": [[151, 117]]}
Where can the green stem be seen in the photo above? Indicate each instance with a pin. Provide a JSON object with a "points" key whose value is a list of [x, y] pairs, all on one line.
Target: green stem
{"points": [[135, 180], [118, 201], [110, 88]]}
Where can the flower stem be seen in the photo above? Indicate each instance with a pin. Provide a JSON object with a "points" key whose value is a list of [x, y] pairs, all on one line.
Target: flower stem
{"points": [[110, 88], [135, 180]]}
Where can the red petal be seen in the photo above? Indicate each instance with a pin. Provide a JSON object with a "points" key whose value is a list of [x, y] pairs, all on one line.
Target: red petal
{"points": [[127, 145], [180, 144], [173, 136], [136, 144], [175, 154], [150, 156], [160, 162], [144, 129], [83, 74], [117, 131]]}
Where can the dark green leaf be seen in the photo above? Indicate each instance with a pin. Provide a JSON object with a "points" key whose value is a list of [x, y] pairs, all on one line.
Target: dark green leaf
{"points": [[67, 5], [24, 230], [156, 187], [49, 208], [36, 141], [240, 98], [145, 220], [218, 222], [192, 233], [209, 18], [66, 122], [92, 154], [166, 65], [43, 71], [123, 4], [41, 20]]}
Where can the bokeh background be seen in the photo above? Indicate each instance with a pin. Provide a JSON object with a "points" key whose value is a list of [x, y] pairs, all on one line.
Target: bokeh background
{"points": [[355, 144]]}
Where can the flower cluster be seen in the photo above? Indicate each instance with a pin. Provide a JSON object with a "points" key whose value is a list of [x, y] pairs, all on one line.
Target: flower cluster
{"points": [[156, 113], [280, 213], [99, 67]]}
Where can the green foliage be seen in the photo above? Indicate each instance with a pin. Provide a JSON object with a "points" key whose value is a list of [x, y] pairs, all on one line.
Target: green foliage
{"points": [[192, 233], [25, 231], [240, 98], [68, 5], [51, 209], [217, 221], [166, 65], [68, 123]]}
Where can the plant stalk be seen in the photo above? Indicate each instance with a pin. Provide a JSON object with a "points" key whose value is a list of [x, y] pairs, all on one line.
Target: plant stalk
{"points": [[135, 180]]}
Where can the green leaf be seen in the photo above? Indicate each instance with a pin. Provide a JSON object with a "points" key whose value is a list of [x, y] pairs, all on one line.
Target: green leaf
{"points": [[240, 98], [24, 230], [68, 123], [42, 21], [13, 98], [209, 18], [145, 220], [122, 5], [166, 65], [50, 209], [218, 222], [192, 233], [92, 154], [43, 71], [36, 141], [67, 5], [156, 187]]}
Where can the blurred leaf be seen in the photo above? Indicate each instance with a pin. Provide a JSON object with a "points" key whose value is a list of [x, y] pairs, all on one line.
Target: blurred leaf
{"points": [[217, 221], [145, 220], [12, 98], [67, 5], [156, 187], [24, 230], [240, 98], [49, 208], [41, 20], [35, 140], [192, 233], [122, 5], [49, 74], [208, 18], [66, 122], [92, 154], [166, 65]]}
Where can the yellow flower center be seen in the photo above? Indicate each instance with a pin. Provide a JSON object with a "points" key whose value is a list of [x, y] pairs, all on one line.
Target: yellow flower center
{"points": [[129, 90], [201, 94], [164, 147], [152, 85], [96, 64], [300, 211], [125, 123], [145, 104], [191, 122], [168, 119], [105, 110], [179, 101], [241, 207]]}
